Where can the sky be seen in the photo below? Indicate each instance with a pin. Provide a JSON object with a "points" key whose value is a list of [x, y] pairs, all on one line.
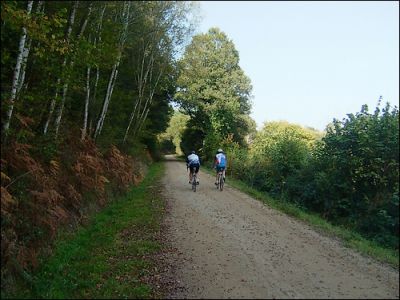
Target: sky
{"points": [[312, 61]]}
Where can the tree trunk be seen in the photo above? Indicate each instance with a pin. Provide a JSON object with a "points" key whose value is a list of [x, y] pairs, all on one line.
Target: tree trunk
{"points": [[16, 75], [68, 34], [130, 122], [114, 73], [66, 84], [25, 55], [141, 81], [94, 94], [61, 108], [107, 99], [144, 119], [85, 118], [146, 108]]}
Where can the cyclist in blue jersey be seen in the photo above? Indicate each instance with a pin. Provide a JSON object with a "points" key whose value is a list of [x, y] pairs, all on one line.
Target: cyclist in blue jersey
{"points": [[193, 162], [220, 163]]}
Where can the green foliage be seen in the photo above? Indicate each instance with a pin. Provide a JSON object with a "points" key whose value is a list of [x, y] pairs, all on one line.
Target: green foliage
{"points": [[360, 162], [155, 32], [106, 258], [213, 90], [192, 139], [281, 149], [172, 137], [62, 64], [349, 175]]}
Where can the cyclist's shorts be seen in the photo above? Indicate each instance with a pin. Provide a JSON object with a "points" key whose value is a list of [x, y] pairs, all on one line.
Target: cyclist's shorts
{"points": [[220, 168], [194, 168]]}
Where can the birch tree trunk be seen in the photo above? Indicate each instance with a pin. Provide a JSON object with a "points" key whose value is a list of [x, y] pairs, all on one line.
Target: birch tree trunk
{"points": [[130, 122], [25, 55], [93, 102], [144, 119], [141, 81], [94, 98], [53, 101], [107, 98], [85, 118], [114, 73], [143, 116], [16, 75], [66, 84]]}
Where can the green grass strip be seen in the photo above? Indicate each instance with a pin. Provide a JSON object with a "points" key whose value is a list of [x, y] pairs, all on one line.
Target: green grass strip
{"points": [[106, 259], [349, 238]]}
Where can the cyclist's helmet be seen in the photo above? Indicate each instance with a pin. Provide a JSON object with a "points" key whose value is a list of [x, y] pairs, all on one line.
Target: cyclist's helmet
{"points": [[220, 150], [193, 152]]}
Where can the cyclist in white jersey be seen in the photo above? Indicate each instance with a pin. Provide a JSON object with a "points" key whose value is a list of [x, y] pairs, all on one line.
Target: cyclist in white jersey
{"points": [[193, 162]]}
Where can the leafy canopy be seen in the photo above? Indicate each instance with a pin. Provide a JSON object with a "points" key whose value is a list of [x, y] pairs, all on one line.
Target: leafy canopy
{"points": [[212, 88]]}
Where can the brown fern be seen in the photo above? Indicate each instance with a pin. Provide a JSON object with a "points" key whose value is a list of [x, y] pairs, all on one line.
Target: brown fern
{"points": [[120, 167], [7, 202], [25, 121]]}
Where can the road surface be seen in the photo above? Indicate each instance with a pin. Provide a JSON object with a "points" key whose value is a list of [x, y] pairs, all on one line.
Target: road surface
{"points": [[229, 245]]}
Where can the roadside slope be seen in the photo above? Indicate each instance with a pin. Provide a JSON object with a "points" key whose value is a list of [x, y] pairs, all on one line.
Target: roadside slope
{"points": [[232, 246]]}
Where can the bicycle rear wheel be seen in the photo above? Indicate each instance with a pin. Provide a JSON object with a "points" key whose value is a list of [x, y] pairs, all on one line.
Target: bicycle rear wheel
{"points": [[221, 182], [194, 182]]}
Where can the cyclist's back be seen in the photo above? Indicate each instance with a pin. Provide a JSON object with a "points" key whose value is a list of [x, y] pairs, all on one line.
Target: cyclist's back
{"points": [[220, 163], [220, 159], [193, 163], [193, 159]]}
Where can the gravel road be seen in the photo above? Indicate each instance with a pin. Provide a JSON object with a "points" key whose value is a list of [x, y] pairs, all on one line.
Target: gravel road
{"points": [[229, 245]]}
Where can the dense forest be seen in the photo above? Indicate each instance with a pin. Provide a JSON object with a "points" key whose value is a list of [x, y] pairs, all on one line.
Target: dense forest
{"points": [[95, 91], [85, 89]]}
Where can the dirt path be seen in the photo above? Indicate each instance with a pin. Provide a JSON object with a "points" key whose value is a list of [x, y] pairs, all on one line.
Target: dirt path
{"points": [[232, 246]]}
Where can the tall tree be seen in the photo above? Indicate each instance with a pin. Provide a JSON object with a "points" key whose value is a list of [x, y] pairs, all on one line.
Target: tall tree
{"points": [[17, 70], [124, 19], [212, 88], [165, 27], [96, 41], [71, 65], [67, 37]]}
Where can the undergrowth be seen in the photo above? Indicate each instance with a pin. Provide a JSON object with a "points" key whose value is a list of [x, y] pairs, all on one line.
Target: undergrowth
{"points": [[40, 194], [109, 257]]}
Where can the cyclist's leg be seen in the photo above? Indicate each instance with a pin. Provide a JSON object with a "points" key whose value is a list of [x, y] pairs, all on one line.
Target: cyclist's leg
{"points": [[197, 173], [190, 174]]}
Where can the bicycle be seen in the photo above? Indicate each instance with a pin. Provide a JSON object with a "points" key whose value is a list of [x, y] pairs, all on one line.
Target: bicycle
{"points": [[194, 179]]}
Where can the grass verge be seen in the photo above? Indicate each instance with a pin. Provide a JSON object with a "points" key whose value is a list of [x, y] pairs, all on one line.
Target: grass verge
{"points": [[349, 238], [109, 257]]}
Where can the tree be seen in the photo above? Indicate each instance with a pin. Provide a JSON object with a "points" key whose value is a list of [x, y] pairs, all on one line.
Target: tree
{"points": [[174, 132], [17, 70], [282, 149], [65, 86], [124, 19], [212, 88], [59, 59], [165, 27]]}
